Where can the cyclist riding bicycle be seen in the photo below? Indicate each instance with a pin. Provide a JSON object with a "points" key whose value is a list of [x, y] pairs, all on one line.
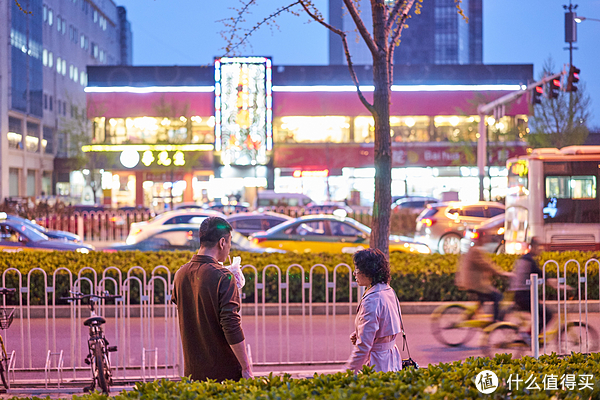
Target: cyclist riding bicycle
{"points": [[524, 267], [475, 273]]}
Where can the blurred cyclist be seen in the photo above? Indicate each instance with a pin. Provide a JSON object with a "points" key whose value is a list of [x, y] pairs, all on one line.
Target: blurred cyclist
{"points": [[475, 273], [525, 266]]}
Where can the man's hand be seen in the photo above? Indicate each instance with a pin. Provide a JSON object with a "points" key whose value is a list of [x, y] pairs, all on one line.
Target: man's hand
{"points": [[247, 373], [353, 338]]}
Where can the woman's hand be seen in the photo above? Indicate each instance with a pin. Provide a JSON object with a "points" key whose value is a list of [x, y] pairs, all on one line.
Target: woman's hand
{"points": [[353, 338]]}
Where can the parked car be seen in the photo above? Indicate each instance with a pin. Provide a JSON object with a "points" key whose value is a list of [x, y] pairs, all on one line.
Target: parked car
{"points": [[413, 203], [142, 230], [328, 207], [229, 208], [270, 198], [490, 232], [441, 226], [185, 238], [56, 235], [328, 233], [17, 236], [188, 205], [248, 223]]}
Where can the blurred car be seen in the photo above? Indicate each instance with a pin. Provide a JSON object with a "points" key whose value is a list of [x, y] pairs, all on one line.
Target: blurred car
{"points": [[171, 238], [441, 226], [247, 223], [338, 208], [17, 236], [328, 233], [55, 235], [414, 204], [142, 230], [188, 205], [490, 233], [229, 208]]}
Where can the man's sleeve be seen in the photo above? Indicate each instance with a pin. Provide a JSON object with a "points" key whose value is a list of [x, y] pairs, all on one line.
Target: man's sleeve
{"points": [[229, 309]]}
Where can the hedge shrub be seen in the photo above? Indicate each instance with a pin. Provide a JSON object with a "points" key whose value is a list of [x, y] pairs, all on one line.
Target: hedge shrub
{"points": [[414, 277], [442, 381]]}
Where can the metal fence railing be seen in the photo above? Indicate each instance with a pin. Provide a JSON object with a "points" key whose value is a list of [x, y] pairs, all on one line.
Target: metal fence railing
{"points": [[143, 324]]}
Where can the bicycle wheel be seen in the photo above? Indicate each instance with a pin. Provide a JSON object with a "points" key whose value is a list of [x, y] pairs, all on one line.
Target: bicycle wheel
{"points": [[447, 324], [581, 344], [100, 370], [3, 364], [503, 337]]}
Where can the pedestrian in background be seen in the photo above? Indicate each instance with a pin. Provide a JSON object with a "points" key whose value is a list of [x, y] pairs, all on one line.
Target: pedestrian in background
{"points": [[208, 303], [378, 315]]}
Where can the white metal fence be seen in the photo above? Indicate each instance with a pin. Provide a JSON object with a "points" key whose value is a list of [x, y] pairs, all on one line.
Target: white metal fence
{"points": [[51, 339]]}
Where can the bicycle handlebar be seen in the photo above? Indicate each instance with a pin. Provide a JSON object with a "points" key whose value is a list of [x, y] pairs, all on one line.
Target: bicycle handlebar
{"points": [[80, 296], [5, 291]]}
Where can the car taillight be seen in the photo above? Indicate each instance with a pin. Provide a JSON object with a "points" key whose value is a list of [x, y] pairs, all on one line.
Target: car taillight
{"points": [[135, 232], [473, 235], [428, 222], [258, 240]]}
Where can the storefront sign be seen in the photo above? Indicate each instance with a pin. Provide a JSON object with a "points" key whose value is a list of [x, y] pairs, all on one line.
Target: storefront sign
{"points": [[243, 110], [150, 159], [331, 156]]}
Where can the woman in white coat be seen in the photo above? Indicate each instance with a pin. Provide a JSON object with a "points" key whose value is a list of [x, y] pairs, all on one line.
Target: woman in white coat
{"points": [[378, 316]]}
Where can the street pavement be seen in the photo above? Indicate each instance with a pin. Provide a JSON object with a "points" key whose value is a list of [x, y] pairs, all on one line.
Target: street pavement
{"points": [[297, 345]]}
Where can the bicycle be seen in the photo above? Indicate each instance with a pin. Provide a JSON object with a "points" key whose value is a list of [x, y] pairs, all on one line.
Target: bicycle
{"points": [[98, 357], [6, 318], [512, 338], [452, 323]]}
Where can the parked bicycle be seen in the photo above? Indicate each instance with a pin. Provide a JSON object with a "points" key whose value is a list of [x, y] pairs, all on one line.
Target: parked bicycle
{"points": [[98, 357], [452, 324], [515, 338], [6, 318]]}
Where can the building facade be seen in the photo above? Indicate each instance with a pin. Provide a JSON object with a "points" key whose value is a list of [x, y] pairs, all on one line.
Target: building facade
{"points": [[160, 133], [45, 50], [438, 35]]}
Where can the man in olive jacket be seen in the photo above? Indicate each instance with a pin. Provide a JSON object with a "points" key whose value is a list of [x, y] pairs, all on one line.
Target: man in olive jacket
{"points": [[208, 304]]}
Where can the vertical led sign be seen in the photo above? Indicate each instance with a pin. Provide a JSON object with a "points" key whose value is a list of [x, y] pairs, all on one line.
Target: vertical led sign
{"points": [[243, 110]]}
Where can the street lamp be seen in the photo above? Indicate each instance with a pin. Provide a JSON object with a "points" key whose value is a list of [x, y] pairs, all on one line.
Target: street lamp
{"points": [[579, 19]]}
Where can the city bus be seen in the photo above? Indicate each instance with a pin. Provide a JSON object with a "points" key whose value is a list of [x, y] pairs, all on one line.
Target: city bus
{"points": [[553, 196]]}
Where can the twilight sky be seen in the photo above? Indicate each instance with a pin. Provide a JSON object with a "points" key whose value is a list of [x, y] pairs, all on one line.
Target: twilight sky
{"points": [[188, 32]]}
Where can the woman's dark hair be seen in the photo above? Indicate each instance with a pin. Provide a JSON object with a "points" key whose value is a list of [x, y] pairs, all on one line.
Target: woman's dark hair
{"points": [[212, 230], [373, 264]]}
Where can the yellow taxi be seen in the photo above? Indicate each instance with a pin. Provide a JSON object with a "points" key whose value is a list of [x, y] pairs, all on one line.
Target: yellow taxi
{"points": [[328, 233]]}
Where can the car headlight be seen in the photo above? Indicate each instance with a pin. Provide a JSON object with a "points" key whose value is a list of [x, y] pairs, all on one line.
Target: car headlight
{"points": [[419, 248], [83, 250]]}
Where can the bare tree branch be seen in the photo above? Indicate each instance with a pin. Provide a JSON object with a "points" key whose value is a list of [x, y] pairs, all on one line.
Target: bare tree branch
{"points": [[397, 31], [21, 8], [234, 26], [318, 18], [362, 29]]}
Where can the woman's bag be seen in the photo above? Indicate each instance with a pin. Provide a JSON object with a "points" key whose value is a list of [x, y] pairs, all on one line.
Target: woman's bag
{"points": [[406, 362]]}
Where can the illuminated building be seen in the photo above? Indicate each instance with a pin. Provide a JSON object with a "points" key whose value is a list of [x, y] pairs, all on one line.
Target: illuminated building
{"points": [[294, 129]]}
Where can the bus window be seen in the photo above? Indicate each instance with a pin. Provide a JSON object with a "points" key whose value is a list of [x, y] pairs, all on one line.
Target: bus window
{"points": [[583, 187], [558, 187]]}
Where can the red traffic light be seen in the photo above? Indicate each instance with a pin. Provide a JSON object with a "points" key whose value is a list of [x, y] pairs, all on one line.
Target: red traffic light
{"points": [[573, 79]]}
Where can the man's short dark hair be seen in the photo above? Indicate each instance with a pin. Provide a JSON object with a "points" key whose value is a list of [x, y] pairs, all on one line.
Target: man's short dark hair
{"points": [[212, 229], [373, 264]]}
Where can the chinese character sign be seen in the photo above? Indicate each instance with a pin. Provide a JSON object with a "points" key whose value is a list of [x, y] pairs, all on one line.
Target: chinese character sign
{"points": [[243, 110]]}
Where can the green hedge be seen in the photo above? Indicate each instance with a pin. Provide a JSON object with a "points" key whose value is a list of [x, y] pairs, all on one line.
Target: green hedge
{"points": [[414, 277], [442, 381]]}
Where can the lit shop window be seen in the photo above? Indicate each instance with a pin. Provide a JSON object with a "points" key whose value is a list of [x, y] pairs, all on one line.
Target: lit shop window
{"points": [[151, 130], [333, 129]]}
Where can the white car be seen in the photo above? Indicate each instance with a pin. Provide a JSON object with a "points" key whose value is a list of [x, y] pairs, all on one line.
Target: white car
{"points": [[142, 230]]}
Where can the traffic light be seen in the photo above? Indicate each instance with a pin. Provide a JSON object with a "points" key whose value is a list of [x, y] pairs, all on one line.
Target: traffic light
{"points": [[553, 88], [536, 95], [573, 79]]}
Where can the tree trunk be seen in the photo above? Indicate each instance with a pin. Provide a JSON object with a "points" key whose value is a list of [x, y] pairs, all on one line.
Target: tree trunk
{"points": [[383, 143]]}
